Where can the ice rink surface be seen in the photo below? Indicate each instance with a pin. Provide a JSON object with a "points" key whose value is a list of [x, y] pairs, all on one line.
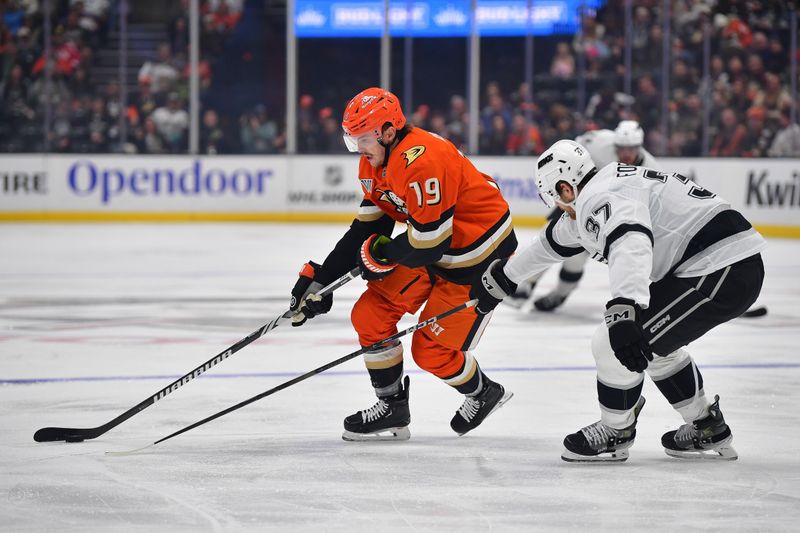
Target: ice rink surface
{"points": [[96, 318]]}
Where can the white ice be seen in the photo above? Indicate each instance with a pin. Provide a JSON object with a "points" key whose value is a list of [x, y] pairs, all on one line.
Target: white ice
{"points": [[119, 311]]}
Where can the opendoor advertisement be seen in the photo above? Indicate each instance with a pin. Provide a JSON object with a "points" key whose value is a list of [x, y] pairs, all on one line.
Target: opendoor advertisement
{"points": [[321, 188]]}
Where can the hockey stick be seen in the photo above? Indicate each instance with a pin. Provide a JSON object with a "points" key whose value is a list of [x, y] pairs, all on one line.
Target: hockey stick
{"points": [[309, 374], [49, 434]]}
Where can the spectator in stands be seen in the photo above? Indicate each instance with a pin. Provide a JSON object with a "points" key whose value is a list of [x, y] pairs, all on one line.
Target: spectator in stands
{"points": [[563, 64], [27, 50], [14, 103], [80, 83], [419, 117], [648, 103], [687, 129], [57, 92], [438, 124], [493, 141], [213, 140], [773, 96], [153, 141], [755, 69], [457, 121], [70, 28], [738, 97], [259, 134], [496, 108], [736, 69], [524, 138], [160, 74], [67, 55], [684, 79], [144, 100], [776, 59], [649, 58], [307, 140], [758, 138], [112, 97], [640, 31], [93, 17], [787, 140], [604, 107], [179, 34], [172, 123], [101, 127], [730, 134], [330, 133]]}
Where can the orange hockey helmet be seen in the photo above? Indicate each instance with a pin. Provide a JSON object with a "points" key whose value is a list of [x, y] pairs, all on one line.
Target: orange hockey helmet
{"points": [[366, 114]]}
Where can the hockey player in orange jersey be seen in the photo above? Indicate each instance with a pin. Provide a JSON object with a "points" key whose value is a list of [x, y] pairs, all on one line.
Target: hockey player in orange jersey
{"points": [[457, 223]]}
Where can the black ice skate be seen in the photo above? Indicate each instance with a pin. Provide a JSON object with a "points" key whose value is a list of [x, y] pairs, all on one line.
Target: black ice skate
{"points": [[476, 408], [550, 301], [706, 438], [386, 420], [599, 442]]}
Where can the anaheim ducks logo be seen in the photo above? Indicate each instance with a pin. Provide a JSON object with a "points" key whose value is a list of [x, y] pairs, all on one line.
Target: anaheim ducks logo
{"points": [[413, 153], [392, 198]]}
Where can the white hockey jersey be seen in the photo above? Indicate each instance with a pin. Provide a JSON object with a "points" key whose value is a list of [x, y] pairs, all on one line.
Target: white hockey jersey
{"points": [[600, 144], [645, 224]]}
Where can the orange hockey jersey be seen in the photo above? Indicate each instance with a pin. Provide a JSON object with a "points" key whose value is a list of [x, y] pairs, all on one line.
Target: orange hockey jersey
{"points": [[456, 216]]}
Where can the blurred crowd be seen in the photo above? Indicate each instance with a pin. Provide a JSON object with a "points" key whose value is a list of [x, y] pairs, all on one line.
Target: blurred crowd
{"points": [[747, 87], [87, 117]]}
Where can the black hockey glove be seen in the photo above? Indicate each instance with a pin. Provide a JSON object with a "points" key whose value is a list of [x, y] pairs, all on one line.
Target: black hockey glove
{"points": [[491, 287], [305, 303], [626, 334], [371, 262]]}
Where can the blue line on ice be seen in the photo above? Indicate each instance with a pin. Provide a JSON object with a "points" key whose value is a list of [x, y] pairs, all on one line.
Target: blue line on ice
{"points": [[31, 381]]}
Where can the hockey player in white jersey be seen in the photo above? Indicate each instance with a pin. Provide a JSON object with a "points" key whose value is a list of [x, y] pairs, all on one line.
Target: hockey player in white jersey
{"points": [[623, 144], [681, 261]]}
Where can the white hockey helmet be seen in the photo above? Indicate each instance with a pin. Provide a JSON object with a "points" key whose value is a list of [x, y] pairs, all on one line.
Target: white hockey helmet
{"points": [[628, 133], [565, 161]]}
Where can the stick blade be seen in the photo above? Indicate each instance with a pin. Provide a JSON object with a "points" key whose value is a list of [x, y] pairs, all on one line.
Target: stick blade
{"points": [[753, 312], [66, 434]]}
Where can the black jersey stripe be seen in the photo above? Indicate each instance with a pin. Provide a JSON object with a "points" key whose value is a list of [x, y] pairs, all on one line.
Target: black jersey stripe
{"points": [[622, 230], [563, 251], [723, 225]]}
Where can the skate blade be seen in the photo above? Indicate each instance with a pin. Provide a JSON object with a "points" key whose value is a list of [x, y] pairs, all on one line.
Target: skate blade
{"points": [[383, 435], [725, 452], [617, 456], [506, 396]]}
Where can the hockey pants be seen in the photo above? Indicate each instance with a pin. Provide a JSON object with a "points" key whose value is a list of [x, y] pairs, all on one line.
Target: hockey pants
{"points": [[443, 348], [681, 310]]}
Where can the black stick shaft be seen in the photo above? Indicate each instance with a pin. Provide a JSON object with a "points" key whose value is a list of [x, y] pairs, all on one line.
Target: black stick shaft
{"points": [[57, 433], [323, 368]]}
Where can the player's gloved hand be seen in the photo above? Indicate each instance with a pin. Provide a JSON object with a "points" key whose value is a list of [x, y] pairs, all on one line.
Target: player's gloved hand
{"points": [[371, 261], [305, 302], [626, 335], [492, 286]]}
